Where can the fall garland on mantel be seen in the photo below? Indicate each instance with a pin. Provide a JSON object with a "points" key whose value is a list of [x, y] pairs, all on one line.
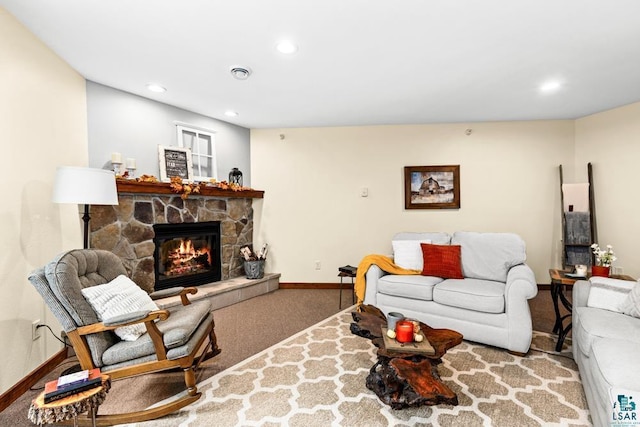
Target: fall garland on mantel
{"points": [[185, 189]]}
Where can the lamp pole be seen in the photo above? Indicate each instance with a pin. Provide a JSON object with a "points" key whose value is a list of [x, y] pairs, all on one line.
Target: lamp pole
{"points": [[86, 219]]}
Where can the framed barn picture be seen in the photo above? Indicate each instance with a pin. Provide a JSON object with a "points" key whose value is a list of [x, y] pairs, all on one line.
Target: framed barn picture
{"points": [[432, 187]]}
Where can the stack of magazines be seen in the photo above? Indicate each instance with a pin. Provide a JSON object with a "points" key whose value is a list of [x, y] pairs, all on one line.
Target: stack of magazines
{"points": [[70, 384]]}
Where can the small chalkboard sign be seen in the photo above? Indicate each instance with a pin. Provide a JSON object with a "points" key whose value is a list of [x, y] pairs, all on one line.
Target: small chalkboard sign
{"points": [[175, 161]]}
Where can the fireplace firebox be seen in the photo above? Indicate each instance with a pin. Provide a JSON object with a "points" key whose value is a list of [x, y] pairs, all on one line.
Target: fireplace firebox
{"points": [[187, 254]]}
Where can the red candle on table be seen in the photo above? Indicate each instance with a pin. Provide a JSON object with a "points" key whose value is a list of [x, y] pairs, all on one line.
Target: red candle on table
{"points": [[404, 331]]}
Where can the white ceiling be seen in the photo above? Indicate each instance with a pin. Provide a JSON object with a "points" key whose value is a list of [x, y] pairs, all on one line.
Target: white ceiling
{"points": [[359, 62]]}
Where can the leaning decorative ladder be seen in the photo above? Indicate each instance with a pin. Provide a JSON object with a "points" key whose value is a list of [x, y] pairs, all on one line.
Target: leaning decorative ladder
{"points": [[577, 246]]}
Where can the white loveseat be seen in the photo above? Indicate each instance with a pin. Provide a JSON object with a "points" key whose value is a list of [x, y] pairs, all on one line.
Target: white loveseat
{"points": [[489, 305], [606, 345]]}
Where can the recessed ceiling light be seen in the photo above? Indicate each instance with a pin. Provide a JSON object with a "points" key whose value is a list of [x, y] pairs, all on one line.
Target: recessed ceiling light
{"points": [[240, 73], [286, 46], [230, 113], [550, 86], [154, 87]]}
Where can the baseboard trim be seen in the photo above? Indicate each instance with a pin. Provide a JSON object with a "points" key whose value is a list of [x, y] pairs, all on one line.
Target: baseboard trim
{"points": [[20, 388], [298, 285]]}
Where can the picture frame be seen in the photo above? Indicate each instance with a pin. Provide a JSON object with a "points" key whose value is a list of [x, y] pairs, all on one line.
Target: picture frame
{"points": [[432, 187], [175, 161]]}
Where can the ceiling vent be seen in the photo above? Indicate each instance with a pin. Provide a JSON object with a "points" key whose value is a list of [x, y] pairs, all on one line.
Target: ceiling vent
{"points": [[240, 73]]}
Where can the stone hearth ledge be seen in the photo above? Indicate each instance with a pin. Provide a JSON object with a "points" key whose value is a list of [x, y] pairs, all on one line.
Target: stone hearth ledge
{"points": [[228, 292]]}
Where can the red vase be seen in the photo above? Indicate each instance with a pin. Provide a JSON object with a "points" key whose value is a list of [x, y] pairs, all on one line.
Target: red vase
{"points": [[598, 270]]}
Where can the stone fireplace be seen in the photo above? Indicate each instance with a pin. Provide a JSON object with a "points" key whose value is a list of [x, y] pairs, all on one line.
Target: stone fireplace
{"points": [[127, 229]]}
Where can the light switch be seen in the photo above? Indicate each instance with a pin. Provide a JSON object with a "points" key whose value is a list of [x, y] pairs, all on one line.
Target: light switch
{"points": [[364, 192]]}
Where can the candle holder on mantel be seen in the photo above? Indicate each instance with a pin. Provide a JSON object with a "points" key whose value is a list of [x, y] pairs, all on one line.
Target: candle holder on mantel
{"points": [[235, 177], [116, 162], [131, 168]]}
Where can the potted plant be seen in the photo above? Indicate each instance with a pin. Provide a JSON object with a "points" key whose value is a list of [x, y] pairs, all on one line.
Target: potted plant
{"points": [[604, 258]]}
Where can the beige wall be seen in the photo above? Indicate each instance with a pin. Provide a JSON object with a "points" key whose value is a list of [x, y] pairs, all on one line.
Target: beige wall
{"points": [[43, 125], [611, 142], [312, 208]]}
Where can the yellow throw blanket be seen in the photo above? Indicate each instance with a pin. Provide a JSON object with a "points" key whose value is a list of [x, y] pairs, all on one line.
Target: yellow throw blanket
{"points": [[385, 263]]}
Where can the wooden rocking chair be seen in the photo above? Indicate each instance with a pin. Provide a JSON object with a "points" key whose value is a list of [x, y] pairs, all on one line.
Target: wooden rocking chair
{"points": [[179, 337]]}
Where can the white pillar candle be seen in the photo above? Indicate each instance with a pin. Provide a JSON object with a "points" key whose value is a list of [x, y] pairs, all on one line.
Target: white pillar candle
{"points": [[116, 158], [131, 163]]}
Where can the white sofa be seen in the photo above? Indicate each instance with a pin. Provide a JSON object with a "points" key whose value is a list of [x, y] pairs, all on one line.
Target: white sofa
{"points": [[606, 347], [489, 305]]}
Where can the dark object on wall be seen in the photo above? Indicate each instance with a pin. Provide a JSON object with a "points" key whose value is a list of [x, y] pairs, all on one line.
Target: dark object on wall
{"points": [[175, 161], [235, 177], [432, 187]]}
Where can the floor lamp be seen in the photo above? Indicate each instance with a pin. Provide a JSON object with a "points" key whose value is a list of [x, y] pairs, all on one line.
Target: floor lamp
{"points": [[86, 186]]}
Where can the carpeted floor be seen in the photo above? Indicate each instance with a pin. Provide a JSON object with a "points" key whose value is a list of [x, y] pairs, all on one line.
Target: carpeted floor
{"points": [[317, 378], [243, 330]]}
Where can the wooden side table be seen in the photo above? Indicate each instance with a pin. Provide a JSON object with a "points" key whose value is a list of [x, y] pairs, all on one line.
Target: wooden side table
{"points": [[560, 283], [342, 275], [70, 407]]}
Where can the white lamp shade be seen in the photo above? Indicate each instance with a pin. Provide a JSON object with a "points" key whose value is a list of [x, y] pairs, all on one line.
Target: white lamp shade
{"points": [[85, 186]]}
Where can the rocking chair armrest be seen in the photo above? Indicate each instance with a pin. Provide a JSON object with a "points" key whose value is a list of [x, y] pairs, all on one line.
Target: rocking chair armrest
{"points": [[165, 293], [109, 324], [123, 319], [178, 290], [186, 291]]}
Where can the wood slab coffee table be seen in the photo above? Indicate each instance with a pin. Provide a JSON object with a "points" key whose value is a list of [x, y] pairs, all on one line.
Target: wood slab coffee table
{"points": [[403, 380]]}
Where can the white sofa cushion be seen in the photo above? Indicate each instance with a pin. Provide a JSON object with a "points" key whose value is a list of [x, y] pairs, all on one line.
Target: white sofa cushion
{"points": [[608, 294], [631, 305], [408, 254], [408, 286], [489, 256], [616, 364], [471, 294], [595, 323]]}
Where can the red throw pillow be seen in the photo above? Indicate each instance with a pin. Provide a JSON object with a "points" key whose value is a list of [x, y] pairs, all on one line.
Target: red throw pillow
{"points": [[441, 261]]}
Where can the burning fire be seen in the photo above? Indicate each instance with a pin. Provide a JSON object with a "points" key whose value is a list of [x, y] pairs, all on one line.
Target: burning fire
{"points": [[186, 259]]}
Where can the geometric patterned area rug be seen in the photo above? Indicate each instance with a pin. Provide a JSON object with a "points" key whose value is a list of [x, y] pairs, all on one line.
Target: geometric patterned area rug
{"points": [[317, 378]]}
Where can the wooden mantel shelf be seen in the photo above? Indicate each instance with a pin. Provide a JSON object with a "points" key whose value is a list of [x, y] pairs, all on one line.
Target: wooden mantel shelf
{"points": [[135, 187]]}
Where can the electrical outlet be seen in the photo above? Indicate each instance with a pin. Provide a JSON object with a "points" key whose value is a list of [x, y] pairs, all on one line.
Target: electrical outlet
{"points": [[35, 331], [617, 270], [318, 265]]}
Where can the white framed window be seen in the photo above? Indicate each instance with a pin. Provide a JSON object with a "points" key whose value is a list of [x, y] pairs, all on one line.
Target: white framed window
{"points": [[202, 144]]}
